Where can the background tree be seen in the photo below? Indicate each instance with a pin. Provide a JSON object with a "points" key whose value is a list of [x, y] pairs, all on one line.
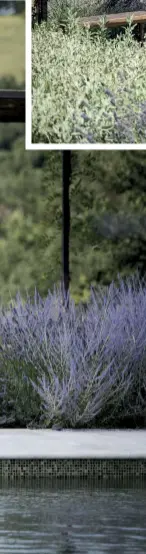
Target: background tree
{"points": [[17, 5], [108, 213]]}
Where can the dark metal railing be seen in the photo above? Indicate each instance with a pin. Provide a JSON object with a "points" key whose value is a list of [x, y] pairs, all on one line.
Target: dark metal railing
{"points": [[12, 106]]}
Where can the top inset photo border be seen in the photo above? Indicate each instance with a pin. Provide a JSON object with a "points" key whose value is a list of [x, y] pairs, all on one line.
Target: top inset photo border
{"points": [[85, 74]]}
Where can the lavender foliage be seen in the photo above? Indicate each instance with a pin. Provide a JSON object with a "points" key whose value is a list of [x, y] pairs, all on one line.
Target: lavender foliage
{"points": [[69, 367], [130, 128]]}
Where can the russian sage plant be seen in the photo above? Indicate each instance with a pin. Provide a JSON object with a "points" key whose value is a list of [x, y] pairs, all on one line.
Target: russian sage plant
{"points": [[71, 367]]}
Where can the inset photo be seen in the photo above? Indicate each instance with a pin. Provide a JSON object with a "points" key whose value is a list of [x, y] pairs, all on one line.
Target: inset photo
{"points": [[85, 73]]}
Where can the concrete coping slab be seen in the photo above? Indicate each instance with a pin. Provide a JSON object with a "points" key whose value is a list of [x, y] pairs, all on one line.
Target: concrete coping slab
{"points": [[49, 444]]}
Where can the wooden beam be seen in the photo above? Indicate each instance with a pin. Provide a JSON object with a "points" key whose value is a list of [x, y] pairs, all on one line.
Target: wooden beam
{"points": [[117, 20], [113, 20], [12, 106]]}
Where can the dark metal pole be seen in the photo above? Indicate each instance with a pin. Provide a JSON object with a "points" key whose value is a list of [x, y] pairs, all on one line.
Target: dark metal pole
{"points": [[66, 179]]}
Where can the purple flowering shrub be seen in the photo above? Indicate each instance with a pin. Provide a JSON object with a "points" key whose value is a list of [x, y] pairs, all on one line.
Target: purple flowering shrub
{"points": [[71, 367], [131, 127]]}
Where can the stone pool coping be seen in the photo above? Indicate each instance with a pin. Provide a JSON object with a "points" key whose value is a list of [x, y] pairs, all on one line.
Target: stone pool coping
{"points": [[49, 444], [104, 454]]}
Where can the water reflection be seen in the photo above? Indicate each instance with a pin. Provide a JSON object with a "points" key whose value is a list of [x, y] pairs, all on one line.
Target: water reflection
{"points": [[72, 517]]}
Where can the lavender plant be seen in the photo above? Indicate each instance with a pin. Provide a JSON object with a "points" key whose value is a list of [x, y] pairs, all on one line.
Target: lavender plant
{"points": [[69, 367]]}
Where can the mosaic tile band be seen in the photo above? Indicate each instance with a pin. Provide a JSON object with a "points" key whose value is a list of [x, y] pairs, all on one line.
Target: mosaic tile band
{"points": [[102, 469]]}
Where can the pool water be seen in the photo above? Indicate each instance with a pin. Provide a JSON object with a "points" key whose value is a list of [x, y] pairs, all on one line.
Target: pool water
{"points": [[72, 517]]}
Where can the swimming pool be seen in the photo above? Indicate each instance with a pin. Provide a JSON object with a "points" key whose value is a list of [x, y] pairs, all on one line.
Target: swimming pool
{"points": [[72, 516]]}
